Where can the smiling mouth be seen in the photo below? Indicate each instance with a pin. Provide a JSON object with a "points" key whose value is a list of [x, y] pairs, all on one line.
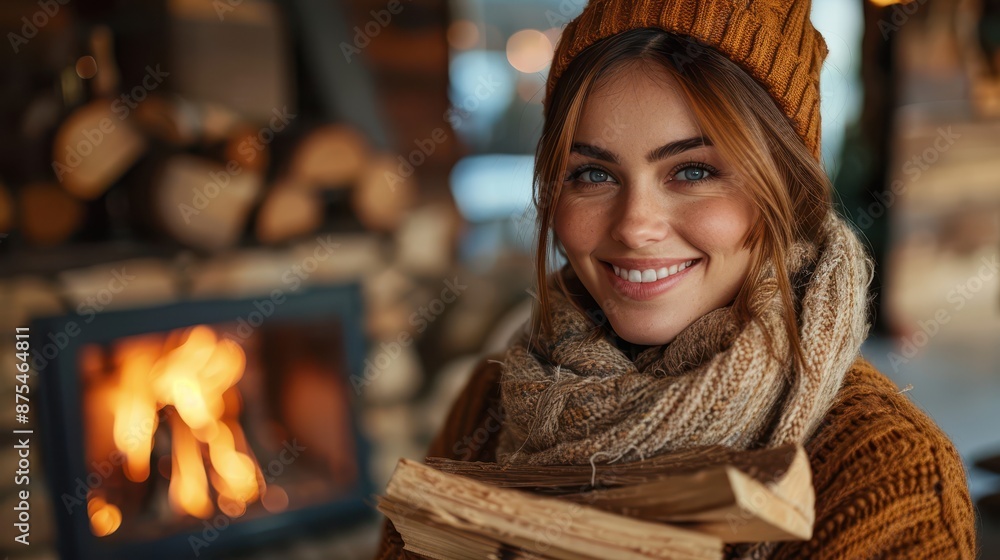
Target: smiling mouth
{"points": [[650, 275]]}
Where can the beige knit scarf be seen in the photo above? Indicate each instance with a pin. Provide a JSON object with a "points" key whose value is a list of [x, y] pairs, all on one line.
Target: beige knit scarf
{"points": [[571, 399]]}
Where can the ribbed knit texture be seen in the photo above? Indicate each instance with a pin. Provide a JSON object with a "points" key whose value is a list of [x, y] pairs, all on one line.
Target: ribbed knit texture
{"points": [[571, 399], [773, 40], [889, 484]]}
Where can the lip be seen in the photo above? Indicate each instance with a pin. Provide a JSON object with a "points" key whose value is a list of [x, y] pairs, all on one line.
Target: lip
{"points": [[646, 264], [645, 290]]}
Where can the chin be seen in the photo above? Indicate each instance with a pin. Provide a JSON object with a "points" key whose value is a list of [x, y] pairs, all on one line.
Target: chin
{"points": [[628, 331]]}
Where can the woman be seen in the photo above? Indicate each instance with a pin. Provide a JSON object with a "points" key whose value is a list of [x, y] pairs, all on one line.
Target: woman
{"points": [[712, 295]]}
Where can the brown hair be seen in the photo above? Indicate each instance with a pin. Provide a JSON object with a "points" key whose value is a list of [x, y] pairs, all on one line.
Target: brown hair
{"points": [[785, 184]]}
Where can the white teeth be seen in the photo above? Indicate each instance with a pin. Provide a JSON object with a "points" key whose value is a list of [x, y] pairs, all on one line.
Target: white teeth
{"points": [[649, 275]]}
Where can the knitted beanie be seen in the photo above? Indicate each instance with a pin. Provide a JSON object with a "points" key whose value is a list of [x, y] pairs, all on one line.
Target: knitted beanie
{"points": [[773, 40]]}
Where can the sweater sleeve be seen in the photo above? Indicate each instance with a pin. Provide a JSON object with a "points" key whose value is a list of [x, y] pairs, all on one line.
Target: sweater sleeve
{"points": [[469, 434], [889, 483]]}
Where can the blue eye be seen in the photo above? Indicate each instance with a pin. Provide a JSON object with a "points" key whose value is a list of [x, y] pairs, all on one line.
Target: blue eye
{"points": [[596, 176], [590, 175], [692, 173]]}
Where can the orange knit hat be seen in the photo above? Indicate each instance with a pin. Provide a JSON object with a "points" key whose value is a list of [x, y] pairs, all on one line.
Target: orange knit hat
{"points": [[773, 40]]}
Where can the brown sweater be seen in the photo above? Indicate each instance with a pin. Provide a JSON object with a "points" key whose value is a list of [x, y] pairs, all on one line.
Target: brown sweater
{"points": [[889, 484]]}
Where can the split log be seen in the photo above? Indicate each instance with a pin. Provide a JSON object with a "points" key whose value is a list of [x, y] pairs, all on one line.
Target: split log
{"points": [[445, 516], [381, 196], [169, 118], [245, 147], [93, 148], [427, 238], [245, 273], [289, 211], [343, 257], [390, 423], [217, 121], [202, 203], [48, 216], [331, 156], [391, 379], [183, 122], [146, 281], [388, 304], [768, 491], [27, 297]]}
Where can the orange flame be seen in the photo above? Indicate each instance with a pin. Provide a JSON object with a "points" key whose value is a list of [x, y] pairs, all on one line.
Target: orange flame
{"points": [[105, 518], [135, 410], [195, 372], [188, 489]]}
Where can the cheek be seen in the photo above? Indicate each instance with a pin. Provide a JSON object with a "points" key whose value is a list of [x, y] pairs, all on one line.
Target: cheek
{"points": [[719, 226], [577, 225]]}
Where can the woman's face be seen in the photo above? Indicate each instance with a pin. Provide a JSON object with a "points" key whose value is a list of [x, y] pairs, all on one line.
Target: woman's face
{"points": [[650, 216]]}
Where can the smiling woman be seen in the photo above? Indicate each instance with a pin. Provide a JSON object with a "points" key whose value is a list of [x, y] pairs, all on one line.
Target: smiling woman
{"points": [[712, 295], [731, 197], [657, 233]]}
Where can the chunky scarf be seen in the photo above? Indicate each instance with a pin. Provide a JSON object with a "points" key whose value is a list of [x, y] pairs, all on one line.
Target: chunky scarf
{"points": [[576, 398]]}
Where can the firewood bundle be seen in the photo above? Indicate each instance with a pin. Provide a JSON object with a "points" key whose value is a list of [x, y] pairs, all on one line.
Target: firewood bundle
{"points": [[197, 172], [679, 505], [198, 175]]}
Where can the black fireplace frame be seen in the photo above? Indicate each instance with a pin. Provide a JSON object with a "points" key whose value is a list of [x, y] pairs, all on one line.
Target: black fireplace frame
{"points": [[61, 429]]}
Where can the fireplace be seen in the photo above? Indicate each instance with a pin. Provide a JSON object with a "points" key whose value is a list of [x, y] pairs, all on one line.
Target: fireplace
{"points": [[201, 428]]}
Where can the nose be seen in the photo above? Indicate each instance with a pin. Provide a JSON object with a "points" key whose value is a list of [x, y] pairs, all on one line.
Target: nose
{"points": [[641, 218]]}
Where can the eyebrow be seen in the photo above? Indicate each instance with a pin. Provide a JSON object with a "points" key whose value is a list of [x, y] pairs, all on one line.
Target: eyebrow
{"points": [[657, 154]]}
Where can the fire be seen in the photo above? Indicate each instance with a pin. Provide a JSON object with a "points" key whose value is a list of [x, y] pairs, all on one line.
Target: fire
{"points": [[105, 518], [135, 406], [194, 372], [188, 482], [237, 472]]}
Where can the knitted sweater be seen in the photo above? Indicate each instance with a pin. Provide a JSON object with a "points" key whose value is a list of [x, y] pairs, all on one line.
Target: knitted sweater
{"points": [[889, 483]]}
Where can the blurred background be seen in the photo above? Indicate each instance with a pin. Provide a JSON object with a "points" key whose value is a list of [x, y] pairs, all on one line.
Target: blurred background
{"points": [[255, 248]]}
